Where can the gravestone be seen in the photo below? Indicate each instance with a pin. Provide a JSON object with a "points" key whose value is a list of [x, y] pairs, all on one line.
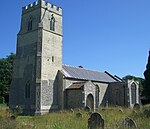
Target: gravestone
{"points": [[134, 112], [12, 117], [79, 115], [129, 123], [72, 110], [103, 109], [136, 106], [95, 121], [120, 110], [87, 109], [147, 113], [90, 113]]}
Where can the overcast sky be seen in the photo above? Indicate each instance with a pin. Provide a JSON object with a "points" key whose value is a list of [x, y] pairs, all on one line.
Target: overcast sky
{"points": [[103, 35]]}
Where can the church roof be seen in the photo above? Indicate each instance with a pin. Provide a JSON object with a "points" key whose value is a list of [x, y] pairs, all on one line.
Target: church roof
{"points": [[85, 74]]}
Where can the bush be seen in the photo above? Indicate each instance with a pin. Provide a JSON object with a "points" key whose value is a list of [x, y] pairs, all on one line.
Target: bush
{"points": [[2, 100], [17, 111]]}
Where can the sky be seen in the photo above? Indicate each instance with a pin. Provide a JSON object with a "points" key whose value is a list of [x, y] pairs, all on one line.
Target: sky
{"points": [[103, 35]]}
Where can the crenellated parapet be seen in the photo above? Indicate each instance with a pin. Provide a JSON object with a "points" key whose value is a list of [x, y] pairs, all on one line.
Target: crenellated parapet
{"points": [[43, 4]]}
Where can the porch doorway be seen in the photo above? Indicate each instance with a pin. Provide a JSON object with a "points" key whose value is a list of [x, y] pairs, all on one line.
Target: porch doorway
{"points": [[90, 101]]}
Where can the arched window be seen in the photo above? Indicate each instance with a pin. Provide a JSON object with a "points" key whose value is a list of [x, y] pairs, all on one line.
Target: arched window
{"points": [[30, 24], [27, 90], [133, 93], [52, 23], [97, 96]]}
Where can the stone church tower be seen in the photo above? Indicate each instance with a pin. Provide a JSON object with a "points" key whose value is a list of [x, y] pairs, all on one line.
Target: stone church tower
{"points": [[38, 59]]}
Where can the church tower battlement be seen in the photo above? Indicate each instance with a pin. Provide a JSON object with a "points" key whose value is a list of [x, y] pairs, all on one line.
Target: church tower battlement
{"points": [[38, 59], [43, 4]]}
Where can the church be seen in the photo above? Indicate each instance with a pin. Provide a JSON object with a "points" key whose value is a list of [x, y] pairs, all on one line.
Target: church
{"points": [[41, 83]]}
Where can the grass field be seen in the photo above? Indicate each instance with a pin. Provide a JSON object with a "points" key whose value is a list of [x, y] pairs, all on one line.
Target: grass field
{"points": [[67, 120]]}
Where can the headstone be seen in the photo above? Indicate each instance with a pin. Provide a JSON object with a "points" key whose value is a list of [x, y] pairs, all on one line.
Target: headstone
{"points": [[120, 110], [12, 117], [90, 113], [78, 109], [134, 112], [129, 123], [95, 121], [136, 106], [72, 110], [87, 109], [103, 109], [147, 112], [79, 115]]}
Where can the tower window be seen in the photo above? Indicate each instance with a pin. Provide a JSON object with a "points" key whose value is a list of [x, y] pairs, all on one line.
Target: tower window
{"points": [[52, 23], [52, 58], [27, 90], [30, 24]]}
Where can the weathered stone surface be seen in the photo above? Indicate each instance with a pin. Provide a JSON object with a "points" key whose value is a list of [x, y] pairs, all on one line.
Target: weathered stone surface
{"points": [[96, 121]]}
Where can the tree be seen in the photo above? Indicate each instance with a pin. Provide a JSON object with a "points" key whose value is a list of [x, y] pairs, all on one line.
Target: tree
{"points": [[146, 91], [6, 69], [140, 80]]}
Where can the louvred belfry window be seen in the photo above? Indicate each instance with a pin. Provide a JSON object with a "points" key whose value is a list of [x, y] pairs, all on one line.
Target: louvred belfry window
{"points": [[30, 24], [52, 23]]}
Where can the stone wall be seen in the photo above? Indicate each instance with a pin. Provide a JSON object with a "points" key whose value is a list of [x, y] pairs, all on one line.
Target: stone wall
{"points": [[74, 98], [89, 88], [117, 94]]}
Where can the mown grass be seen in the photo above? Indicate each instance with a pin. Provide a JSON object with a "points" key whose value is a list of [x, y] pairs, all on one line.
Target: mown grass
{"points": [[113, 117]]}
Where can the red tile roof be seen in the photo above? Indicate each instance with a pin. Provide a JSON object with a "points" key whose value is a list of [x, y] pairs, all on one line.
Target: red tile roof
{"points": [[76, 85]]}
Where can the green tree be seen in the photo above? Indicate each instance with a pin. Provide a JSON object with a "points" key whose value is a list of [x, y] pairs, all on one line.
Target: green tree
{"points": [[146, 91], [140, 80], [6, 69]]}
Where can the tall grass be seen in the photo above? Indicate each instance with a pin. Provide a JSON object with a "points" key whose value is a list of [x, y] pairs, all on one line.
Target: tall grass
{"points": [[67, 120]]}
